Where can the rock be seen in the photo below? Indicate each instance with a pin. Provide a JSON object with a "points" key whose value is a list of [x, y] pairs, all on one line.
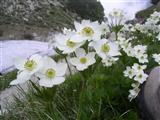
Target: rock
{"points": [[144, 14], [149, 97], [155, 1]]}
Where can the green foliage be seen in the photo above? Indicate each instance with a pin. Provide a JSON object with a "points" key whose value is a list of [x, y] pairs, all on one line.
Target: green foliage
{"points": [[6, 79], [87, 9], [99, 95]]}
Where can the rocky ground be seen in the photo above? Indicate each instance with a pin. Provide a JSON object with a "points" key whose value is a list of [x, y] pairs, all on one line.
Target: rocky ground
{"points": [[25, 19]]}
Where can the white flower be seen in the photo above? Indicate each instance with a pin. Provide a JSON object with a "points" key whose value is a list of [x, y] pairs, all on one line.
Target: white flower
{"points": [[27, 67], [64, 42], [129, 72], [116, 13], [129, 50], [142, 58], [141, 77], [109, 61], [157, 58], [133, 93], [104, 28], [139, 49], [137, 71], [116, 17], [66, 31], [139, 52], [83, 60], [138, 68], [89, 30], [52, 73], [135, 85], [105, 48]]}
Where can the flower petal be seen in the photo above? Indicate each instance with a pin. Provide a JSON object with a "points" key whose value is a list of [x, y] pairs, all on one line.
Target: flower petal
{"points": [[61, 69], [45, 82], [74, 61], [49, 62], [22, 77], [58, 80], [80, 52]]}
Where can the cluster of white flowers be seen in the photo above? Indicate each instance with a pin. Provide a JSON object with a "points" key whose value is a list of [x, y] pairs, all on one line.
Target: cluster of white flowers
{"points": [[138, 51], [45, 68], [136, 72], [157, 58], [85, 45], [90, 34], [152, 25]]}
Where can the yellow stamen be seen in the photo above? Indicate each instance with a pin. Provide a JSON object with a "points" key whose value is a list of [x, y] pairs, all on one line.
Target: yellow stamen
{"points": [[83, 60], [51, 73], [105, 48], [30, 65], [87, 31], [70, 43]]}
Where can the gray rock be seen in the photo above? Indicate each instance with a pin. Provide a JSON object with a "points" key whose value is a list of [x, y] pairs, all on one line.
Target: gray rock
{"points": [[150, 96]]}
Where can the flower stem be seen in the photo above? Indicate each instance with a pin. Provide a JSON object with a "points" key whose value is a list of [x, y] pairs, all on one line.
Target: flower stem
{"points": [[81, 97], [68, 66]]}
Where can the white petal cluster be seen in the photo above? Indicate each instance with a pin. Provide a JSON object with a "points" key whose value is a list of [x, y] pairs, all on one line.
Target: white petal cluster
{"points": [[27, 68], [88, 30], [151, 24], [140, 53], [105, 48], [157, 58], [91, 36], [134, 91], [136, 72], [45, 69], [109, 61], [104, 27], [83, 60], [91, 42], [116, 17], [66, 42], [52, 73]]}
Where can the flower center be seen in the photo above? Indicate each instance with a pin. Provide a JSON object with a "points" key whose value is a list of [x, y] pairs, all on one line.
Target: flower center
{"points": [[139, 67], [105, 48], [115, 13], [130, 72], [51, 73], [88, 31], [83, 60], [30, 65], [140, 76], [70, 43]]}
